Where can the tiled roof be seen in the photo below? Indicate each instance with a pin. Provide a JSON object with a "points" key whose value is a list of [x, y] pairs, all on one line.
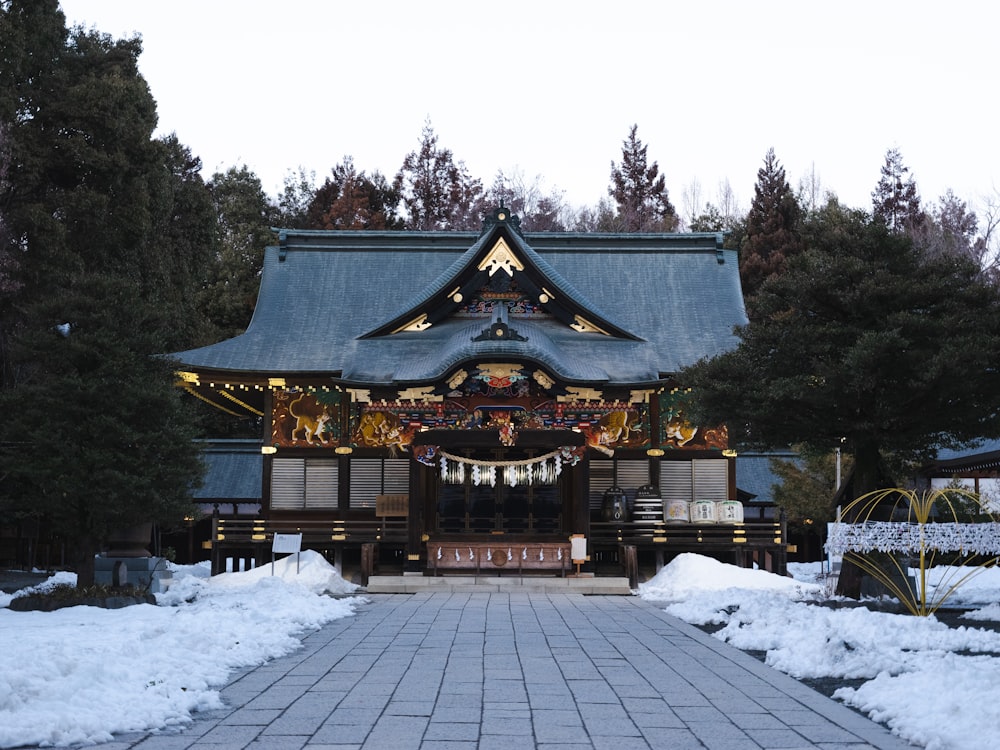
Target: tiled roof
{"points": [[233, 470], [321, 292]]}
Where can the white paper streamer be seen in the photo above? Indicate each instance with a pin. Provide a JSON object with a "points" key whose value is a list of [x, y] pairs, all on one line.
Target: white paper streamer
{"points": [[889, 536]]}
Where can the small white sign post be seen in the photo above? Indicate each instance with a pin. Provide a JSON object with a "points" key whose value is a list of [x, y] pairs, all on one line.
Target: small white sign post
{"points": [[286, 544]]}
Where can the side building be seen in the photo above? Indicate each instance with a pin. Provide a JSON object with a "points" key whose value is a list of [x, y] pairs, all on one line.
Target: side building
{"points": [[447, 400]]}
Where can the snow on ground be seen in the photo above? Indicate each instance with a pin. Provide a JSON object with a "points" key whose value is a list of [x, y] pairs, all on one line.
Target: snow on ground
{"points": [[935, 686], [79, 674]]}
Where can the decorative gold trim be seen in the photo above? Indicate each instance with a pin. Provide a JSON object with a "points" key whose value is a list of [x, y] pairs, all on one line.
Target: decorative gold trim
{"points": [[424, 394], [585, 326], [360, 395], [581, 394], [276, 382], [419, 323], [188, 377], [501, 257], [210, 402], [640, 397], [245, 405], [542, 379]]}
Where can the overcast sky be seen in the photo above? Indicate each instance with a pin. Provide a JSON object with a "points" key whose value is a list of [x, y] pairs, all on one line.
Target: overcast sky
{"points": [[551, 88]]}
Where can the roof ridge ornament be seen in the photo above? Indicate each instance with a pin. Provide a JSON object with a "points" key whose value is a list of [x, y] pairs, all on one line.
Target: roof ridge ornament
{"points": [[500, 329], [501, 215]]}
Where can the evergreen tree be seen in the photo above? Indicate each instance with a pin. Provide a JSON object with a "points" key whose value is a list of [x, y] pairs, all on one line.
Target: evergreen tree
{"points": [[100, 227], [96, 438], [808, 486], [772, 226], [952, 229], [436, 190], [862, 339], [296, 196], [244, 229], [184, 240], [640, 192], [895, 200]]}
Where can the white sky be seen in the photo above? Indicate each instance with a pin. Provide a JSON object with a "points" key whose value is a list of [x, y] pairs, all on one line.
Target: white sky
{"points": [[551, 88]]}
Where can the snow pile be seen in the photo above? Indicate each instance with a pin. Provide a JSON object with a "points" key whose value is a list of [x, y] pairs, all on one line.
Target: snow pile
{"points": [[701, 589], [929, 683], [79, 674]]}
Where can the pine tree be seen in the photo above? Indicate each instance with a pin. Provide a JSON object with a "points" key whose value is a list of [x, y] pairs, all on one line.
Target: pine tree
{"points": [[772, 231], [895, 200], [639, 190]]}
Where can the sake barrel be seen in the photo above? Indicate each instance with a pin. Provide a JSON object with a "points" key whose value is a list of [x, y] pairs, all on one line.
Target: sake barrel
{"points": [[729, 511], [676, 511], [647, 510], [703, 511]]}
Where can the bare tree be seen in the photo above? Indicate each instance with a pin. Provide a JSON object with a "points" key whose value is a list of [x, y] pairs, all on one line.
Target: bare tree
{"points": [[692, 202]]}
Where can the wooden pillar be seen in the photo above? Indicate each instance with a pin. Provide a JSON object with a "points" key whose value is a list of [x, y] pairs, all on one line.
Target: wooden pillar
{"points": [[414, 518]]}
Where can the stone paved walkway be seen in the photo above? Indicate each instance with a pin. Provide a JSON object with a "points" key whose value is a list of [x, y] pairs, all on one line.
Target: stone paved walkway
{"points": [[509, 671]]}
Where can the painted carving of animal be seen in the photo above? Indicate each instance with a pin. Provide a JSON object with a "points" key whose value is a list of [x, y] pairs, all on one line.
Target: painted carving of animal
{"points": [[311, 419], [382, 428], [613, 428], [681, 431]]}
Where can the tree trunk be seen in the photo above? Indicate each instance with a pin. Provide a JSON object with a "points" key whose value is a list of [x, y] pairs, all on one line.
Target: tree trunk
{"points": [[865, 479]]}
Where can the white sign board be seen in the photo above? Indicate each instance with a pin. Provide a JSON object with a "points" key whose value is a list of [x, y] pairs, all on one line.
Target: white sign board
{"points": [[286, 543]]}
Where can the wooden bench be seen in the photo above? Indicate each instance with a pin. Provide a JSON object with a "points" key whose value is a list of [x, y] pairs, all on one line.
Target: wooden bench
{"points": [[497, 556]]}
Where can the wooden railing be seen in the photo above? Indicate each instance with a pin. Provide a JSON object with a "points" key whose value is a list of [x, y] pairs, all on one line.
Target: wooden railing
{"points": [[687, 535], [252, 539]]}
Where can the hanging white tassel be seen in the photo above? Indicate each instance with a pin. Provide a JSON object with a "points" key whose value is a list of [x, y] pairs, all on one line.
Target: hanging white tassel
{"points": [[509, 555], [559, 553], [458, 557], [460, 473], [557, 461], [471, 555], [475, 474], [489, 555], [524, 553], [492, 473], [439, 553], [541, 553], [444, 469]]}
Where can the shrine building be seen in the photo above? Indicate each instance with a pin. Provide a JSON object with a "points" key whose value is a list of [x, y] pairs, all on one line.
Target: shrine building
{"points": [[494, 403]]}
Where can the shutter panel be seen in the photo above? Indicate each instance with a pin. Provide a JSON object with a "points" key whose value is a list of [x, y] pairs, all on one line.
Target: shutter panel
{"points": [[632, 474], [676, 481], [711, 479], [396, 479], [366, 481], [288, 488], [602, 477], [321, 483]]}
